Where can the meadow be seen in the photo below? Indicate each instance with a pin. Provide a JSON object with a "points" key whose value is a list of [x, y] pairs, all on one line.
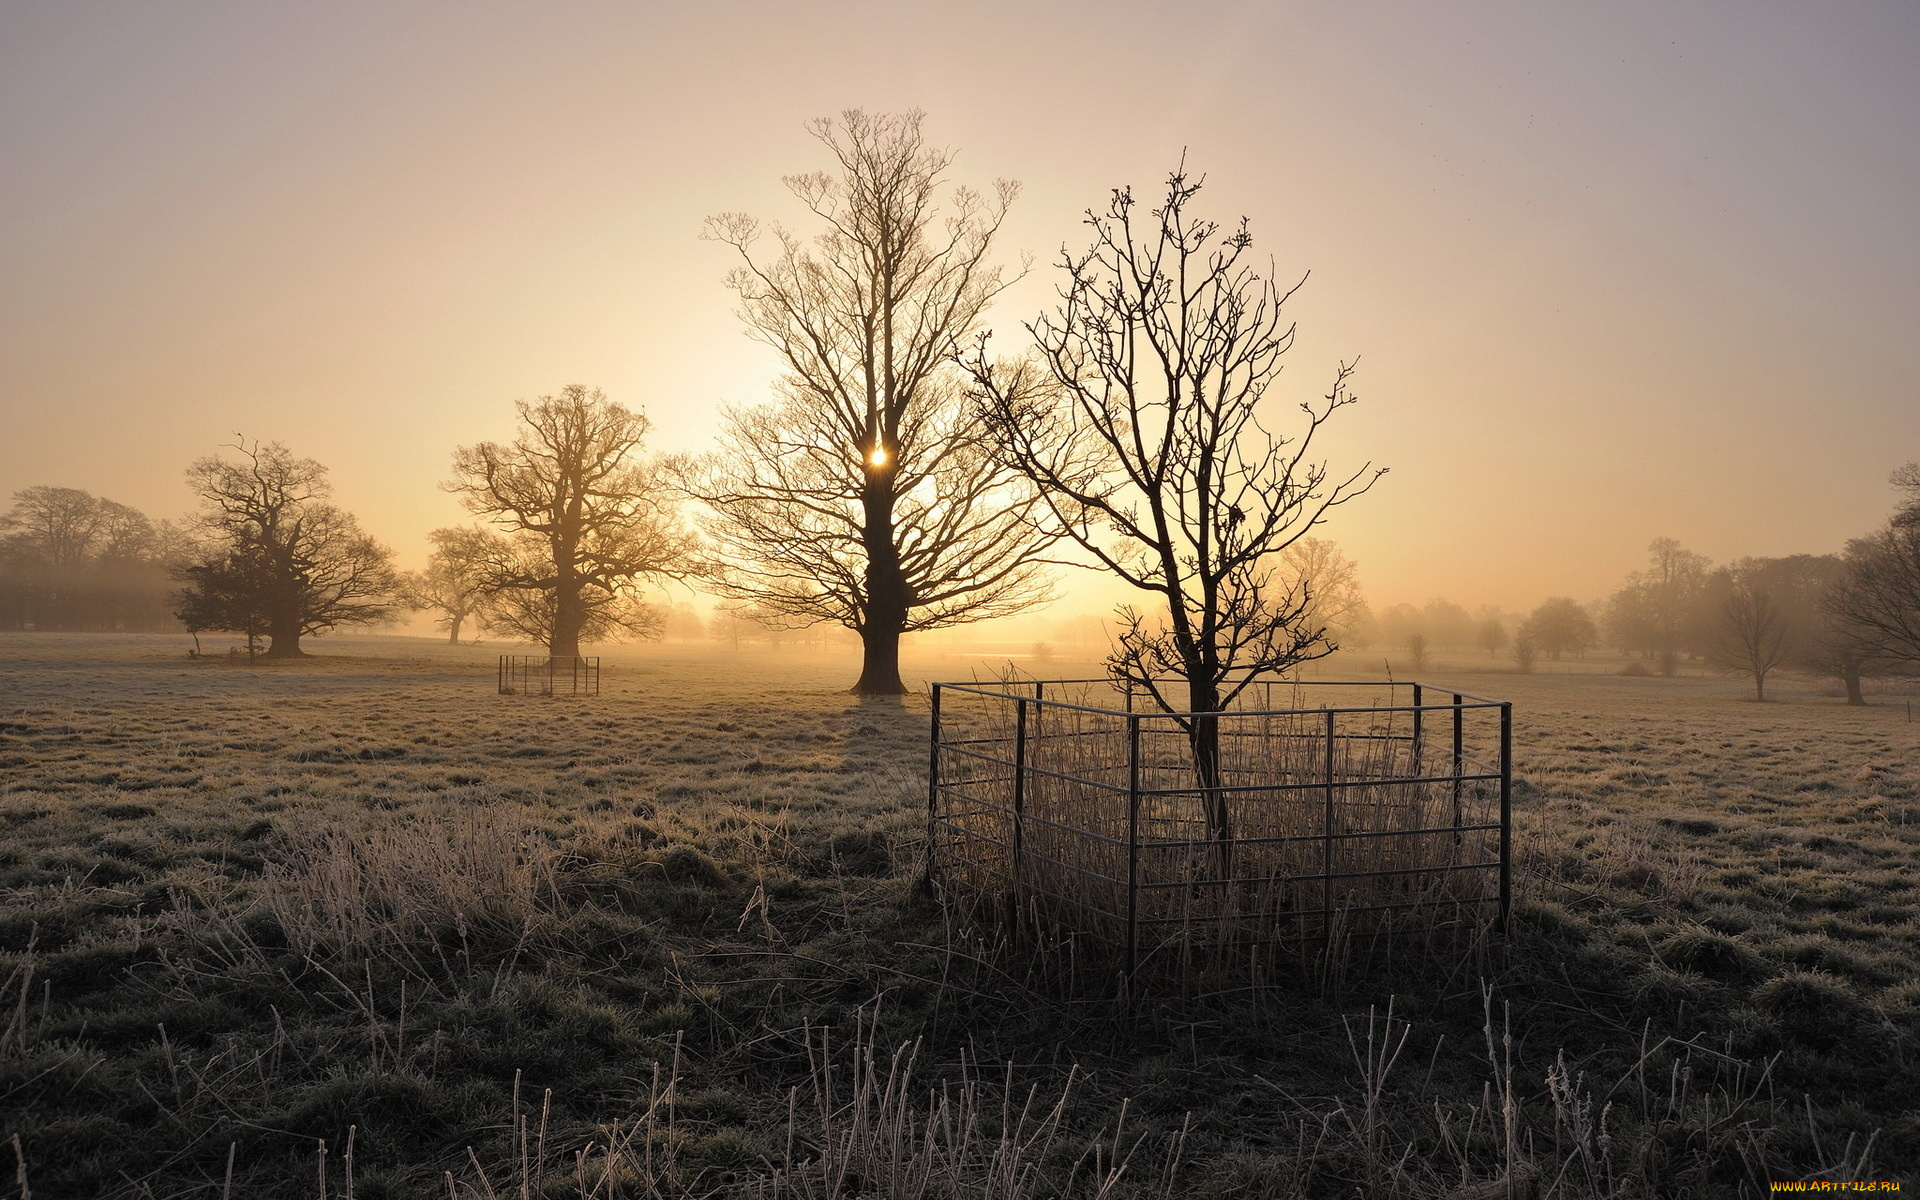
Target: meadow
{"points": [[359, 924]]}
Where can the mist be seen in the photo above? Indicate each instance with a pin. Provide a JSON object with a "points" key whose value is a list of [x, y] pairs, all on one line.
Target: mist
{"points": [[1105, 602]]}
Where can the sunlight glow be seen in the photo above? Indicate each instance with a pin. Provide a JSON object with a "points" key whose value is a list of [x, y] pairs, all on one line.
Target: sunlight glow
{"points": [[879, 455]]}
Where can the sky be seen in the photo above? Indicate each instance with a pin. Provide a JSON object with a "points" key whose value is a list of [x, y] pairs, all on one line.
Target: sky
{"points": [[1612, 272]]}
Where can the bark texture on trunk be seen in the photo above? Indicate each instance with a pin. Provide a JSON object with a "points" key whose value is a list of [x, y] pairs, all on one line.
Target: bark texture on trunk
{"points": [[568, 617], [887, 599], [284, 637], [1854, 694], [880, 663]]}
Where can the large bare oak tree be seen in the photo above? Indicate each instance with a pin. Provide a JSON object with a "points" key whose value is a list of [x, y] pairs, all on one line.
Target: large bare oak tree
{"points": [[1138, 420], [867, 495], [584, 518]]}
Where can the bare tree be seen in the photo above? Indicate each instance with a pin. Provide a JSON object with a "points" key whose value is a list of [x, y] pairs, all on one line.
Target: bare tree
{"points": [[585, 520], [1416, 645], [1754, 634], [60, 526], [71, 560], [455, 581], [1659, 610], [1819, 642], [308, 565], [1560, 624], [1331, 582], [867, 496], [1489, 630], [1526, 650], [1877, 600], [683, 624], [1137, 422]]}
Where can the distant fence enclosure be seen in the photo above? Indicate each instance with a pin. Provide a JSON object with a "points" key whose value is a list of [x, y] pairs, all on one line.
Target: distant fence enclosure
{"points": [[1349, 809], [549, 675]]}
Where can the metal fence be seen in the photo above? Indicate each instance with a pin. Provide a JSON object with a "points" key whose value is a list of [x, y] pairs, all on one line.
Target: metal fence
{"points": [[1347, 809], [549, 675]]}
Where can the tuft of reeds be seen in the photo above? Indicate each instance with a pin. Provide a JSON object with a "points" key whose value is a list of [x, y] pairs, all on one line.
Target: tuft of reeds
{"points": [[470, 872]]}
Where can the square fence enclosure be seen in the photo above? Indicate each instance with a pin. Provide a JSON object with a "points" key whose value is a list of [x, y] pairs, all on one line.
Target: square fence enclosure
{"points": [[549, 675], [1328, 811]]}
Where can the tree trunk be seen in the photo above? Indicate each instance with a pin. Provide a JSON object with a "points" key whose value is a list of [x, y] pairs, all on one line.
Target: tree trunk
{"points": [[1851, 677], [887, 599], [1203, 738], [879, 662], [568, 616], [283, 635], [455, 620], [1760, 686]]}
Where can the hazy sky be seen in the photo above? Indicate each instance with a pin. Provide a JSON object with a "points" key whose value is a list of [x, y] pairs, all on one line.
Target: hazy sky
{"points": [[1613, 271]]}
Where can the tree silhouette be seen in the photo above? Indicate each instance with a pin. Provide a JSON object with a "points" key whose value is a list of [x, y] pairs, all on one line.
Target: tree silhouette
{"points": [[867, 495], [455, 581], [1136, 420], [1877, 601], [71, 560], [1560, 624], [1660, 609], [1753, 635], [1331, 582], [301, 563], [584, 519], [227, 592]]}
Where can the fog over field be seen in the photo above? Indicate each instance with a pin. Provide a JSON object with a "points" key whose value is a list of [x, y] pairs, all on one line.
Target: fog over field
{"points": [[1079, 601]]}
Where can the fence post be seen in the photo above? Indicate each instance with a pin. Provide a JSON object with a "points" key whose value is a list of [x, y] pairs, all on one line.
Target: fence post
{"points": [[933, 783], [1458, 766], [1133, 844], [1418, 725], [1326, 847], [1019, 793], [1506, 813]]}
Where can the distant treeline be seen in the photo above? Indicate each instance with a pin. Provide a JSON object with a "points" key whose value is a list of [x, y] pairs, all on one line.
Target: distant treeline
{"points": [[71, 561], [1849, 616]]}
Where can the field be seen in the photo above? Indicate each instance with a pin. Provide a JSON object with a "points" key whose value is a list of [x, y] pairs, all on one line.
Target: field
{"points": [[271, 929]]}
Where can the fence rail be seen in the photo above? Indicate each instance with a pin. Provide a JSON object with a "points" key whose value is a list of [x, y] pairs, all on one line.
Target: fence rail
{"points": [[1384, 806], [549, 675]]}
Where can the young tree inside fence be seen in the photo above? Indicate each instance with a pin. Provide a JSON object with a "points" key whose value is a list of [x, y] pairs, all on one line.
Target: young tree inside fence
{"points": [[281, 553], [584, 517], [867, 496], [1136, 419]]}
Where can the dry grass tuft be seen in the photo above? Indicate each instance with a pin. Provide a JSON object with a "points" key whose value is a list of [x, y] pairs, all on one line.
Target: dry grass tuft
{"points": [[472, 873]]}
